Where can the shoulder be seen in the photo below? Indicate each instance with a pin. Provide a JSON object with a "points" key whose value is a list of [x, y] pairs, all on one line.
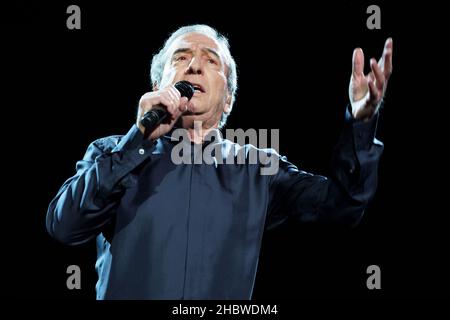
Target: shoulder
{"points": [[248, 149]]}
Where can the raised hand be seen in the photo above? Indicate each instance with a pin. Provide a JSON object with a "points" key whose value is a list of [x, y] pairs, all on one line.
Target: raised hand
{"points": [[367, 91]]}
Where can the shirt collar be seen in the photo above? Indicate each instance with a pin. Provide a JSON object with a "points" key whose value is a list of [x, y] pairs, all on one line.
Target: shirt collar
{"points": [[214, 136]]}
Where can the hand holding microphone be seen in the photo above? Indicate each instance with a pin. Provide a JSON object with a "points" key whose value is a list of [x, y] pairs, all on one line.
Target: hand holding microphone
{"points": [[159, 110]]}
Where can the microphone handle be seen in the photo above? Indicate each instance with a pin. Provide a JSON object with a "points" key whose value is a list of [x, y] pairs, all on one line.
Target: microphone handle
{"points": [[154, 117]]}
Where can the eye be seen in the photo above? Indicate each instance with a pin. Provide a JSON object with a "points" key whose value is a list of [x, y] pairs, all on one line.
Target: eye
{"points": [[180, 58], [212, 61]]}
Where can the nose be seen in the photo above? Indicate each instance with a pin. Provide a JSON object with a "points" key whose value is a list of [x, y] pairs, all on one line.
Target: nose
{"points": [[195, 66]]}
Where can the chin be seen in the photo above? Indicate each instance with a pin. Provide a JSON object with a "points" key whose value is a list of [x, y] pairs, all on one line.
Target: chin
{"points": [[196, 107]]}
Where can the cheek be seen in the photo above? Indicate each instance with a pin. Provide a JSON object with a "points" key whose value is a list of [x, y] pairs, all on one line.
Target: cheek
{"points": [[167, 78], [172, 74], [220, 84]]}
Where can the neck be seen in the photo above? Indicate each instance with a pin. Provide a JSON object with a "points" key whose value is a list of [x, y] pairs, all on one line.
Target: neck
{"points": [[198, 132]]}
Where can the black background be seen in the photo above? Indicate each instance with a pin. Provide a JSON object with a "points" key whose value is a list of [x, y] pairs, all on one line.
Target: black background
{"points": [[64, 88]]}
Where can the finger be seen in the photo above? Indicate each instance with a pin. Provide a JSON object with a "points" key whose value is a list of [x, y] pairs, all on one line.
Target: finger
{"points": [[175, 91], [174, 95], [183, 104], [169, 104], [374, 93], [358, 62], [379, 76], [387, 58]]}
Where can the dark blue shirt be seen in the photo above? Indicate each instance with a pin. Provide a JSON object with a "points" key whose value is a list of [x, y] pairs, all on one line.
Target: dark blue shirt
{"points": [[193, 231]]}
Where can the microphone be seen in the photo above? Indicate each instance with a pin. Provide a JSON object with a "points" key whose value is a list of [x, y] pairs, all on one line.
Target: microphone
{"points": [[151, 119]]}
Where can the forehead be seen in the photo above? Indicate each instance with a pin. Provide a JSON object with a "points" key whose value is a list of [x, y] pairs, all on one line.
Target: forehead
{"points": [[193, 41]]}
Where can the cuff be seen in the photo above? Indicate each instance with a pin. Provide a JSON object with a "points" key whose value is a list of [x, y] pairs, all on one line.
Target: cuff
{"points": [[132, 150], [134, 141], [363, 131]]}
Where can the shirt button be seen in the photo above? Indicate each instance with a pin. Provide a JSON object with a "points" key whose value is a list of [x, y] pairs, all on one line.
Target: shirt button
{"points": [[141, 151]]}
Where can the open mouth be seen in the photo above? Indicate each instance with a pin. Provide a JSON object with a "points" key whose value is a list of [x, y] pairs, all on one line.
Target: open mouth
{"points": [[198, 87]]}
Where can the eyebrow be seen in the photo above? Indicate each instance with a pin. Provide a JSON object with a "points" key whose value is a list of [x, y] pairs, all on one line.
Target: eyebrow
{"points": [[188, 50]]}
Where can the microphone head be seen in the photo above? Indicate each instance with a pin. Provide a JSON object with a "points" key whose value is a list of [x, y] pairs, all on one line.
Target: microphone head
{"points": [[186, 89]]}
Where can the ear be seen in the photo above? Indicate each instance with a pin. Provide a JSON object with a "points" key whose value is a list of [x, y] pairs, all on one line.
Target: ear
{"points": [[227, 107], [155, 86]]}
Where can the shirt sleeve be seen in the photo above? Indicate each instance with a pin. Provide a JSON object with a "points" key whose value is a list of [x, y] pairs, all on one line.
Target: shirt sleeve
{"points": [[339, 199], [86, 202]]}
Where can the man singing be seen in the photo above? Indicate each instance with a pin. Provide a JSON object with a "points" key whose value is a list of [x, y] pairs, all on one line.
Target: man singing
{"points": [[170, 230]]}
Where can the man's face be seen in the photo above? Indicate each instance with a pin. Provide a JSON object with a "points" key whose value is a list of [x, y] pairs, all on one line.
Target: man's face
{"points": [[198, 59]]}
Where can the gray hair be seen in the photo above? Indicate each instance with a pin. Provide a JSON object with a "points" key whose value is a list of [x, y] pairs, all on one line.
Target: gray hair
{"points": [[160, 59]]}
